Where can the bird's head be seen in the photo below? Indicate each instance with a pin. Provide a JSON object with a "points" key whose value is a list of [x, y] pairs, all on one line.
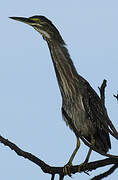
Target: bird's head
{"points": [[42, 25]]}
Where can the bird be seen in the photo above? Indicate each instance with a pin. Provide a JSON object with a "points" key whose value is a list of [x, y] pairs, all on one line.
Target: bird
{"points": [[82, 109]]}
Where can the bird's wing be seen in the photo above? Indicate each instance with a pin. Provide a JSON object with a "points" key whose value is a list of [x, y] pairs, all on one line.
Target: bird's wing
{"points": [[93, 105], [96, 113]]}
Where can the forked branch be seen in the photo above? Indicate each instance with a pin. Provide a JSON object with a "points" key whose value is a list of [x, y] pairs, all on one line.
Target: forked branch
{"points": [[57, 170]]}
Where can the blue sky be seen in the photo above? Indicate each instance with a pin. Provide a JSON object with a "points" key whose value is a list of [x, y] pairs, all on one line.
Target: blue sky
{"points": [[30, 101]]}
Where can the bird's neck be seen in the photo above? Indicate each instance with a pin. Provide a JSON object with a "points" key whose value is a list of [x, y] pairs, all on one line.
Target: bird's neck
{"points": [[65, 70]]}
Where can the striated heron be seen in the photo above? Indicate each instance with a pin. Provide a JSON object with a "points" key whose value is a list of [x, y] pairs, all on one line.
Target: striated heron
{"points": [[82, 109]]}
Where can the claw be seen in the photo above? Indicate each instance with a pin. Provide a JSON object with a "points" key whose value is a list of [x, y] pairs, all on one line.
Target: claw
{"points": [[79, 168], [66, 169]]}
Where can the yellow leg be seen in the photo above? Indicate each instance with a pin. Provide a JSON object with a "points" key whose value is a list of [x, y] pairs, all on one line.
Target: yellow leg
{"points": [[90, 150], [88, 155], [74, 152], [67, 166]]}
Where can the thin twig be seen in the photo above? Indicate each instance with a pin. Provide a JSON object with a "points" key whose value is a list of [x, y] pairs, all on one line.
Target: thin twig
{"points": [[113, 130], [53, 176], [106, 174], [98, 151], [116, 96], [102, 91]]}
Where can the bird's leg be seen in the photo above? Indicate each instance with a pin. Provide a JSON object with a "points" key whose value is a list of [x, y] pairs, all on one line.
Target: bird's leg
{"points": [[67, 166], [74, 152], [90, 150], [88, 155]]}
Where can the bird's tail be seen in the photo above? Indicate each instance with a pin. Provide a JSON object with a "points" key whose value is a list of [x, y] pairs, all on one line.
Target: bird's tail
{"points": [[102, 141]]}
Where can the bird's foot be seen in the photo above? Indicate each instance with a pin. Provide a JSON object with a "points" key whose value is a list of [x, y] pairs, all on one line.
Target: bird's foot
{"points": [[81, 166], [66, 169]]}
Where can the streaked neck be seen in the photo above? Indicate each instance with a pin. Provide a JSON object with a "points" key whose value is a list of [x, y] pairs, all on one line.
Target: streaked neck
{"points": [[65, 70]]}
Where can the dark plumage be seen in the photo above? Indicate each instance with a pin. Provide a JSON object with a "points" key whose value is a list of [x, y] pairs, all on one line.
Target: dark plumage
{"points": [[79, 101]]}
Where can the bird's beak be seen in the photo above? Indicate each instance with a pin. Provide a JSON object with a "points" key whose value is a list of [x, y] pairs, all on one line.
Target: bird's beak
{"points": [[24, 20]]}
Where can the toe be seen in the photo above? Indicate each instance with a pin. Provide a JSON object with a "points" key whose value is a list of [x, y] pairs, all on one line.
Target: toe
{"points": [[66, 169]]}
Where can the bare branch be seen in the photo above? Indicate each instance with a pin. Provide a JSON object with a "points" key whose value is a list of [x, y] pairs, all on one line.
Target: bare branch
{"points": [[107, 173], [57, 170], [112, 129], [98, 151], [45, 167], [53, 176], [102, 91], [116, 96]]}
